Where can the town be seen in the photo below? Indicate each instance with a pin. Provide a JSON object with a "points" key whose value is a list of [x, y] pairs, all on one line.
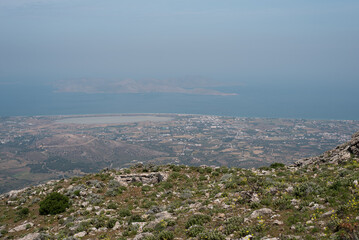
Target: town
{"points": [[39, 148]]}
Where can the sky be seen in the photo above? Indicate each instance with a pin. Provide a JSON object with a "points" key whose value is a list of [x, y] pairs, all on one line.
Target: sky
{"points": [[236, 41]]}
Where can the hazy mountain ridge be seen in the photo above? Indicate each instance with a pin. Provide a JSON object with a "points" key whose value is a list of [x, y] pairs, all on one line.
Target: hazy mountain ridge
{"points": [[316, 200]]}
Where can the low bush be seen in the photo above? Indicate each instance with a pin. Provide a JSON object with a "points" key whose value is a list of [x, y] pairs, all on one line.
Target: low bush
{"points": [[214, 235], [165, 235], [233, 224], [197, 219], [23, 212], [54, 203], [135, 218], [277, 165], [146, 188], [282, 203], [195, 230], [111, 223], [112, 205]]}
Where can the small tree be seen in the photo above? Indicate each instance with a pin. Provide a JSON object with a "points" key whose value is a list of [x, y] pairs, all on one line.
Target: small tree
{"points": [[54, 203], [277, 165]]}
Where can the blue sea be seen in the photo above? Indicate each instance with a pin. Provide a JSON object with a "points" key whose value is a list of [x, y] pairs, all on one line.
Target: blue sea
{"points": [[253, 100]]}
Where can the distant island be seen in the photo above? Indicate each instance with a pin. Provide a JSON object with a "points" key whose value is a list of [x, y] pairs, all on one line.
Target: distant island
{"points": [[192, 86]]}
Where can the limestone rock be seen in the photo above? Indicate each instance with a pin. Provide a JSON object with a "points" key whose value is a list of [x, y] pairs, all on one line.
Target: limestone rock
{"points": [[142, 235], [277, 222], [328, 214], [22, 227], [145, 178], [163, 215], [248, 237], [30, 236], [117, 226], [260, 212], [80, 234], [315, 206], [249, 196]]}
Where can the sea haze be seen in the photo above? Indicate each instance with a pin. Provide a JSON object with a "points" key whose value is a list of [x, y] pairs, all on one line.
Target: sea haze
{"points": [[253, 100]]}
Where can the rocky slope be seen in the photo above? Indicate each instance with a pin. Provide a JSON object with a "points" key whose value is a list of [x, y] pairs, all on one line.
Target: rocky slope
{"points": [[316, 199], [340, 154]]}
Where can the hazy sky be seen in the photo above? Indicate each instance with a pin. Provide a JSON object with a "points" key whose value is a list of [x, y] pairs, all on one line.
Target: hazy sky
{"points": [[225, 40]]}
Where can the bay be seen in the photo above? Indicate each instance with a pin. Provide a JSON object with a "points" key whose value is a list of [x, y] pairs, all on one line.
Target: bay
{"points": [[256, 100]]}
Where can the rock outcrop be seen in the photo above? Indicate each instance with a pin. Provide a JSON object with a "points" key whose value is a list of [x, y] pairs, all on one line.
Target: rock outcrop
{"points": [[144, 178], [340, 154]]}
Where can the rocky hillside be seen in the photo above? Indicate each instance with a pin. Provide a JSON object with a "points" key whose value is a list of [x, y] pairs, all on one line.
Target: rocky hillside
{"points": [[340, 154], [305, 201]]}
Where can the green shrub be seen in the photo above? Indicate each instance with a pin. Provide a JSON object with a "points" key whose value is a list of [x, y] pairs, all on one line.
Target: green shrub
{"points": [[131, 230], [84, 226], [113, 192], [147, 203], [54, 203], [124, 212], [282, 203], [277, 165], [215, 174], [294, 219], [167, 185], [170, 222], [242, 231], [99, 221], [111, 223], [137, 184], [197, 219], [104, 176], [254, 205], [112, 205], [176, 168], [146, 188], [305, 189], [225, 194], [299, 228], [266, 201], [160, 226], [208, 169], [135, 218], [195, 230], [103, 236], [233, 224], [177, 176], [165, 235], [23, 212], [214, 235], [231, 185], [95, 199], [202, 178], [150, 237]]}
